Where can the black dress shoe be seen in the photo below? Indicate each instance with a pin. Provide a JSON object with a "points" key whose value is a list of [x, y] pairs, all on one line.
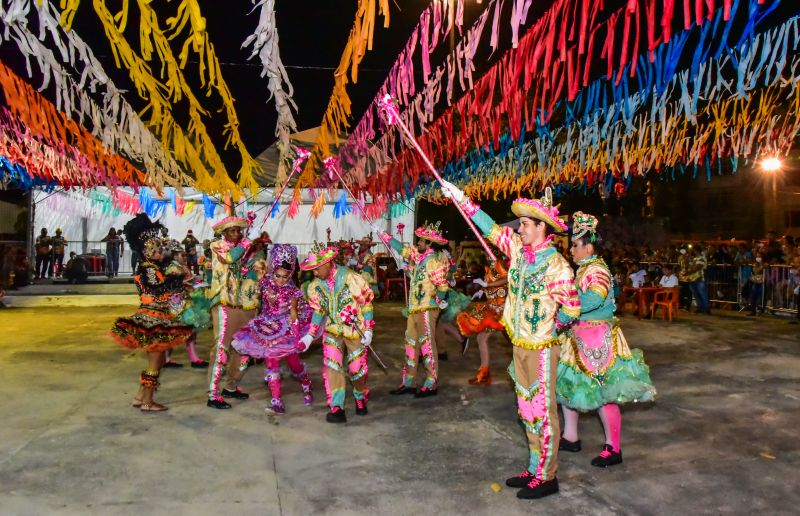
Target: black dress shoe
{"points": [[172, 365], [237, 394], [200, 364], [403, 390], [608, 457], [520, 480], [426, 392], [443, 357], [218, 404], [336, 415], [570, 446], [361, 408], [538, 489]]}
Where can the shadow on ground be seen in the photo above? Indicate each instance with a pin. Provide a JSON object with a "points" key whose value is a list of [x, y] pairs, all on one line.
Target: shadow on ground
{"points": [[721, 439]]}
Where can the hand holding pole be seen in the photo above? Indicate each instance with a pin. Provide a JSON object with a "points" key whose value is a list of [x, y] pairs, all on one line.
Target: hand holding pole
{"points": [[393, 118]]}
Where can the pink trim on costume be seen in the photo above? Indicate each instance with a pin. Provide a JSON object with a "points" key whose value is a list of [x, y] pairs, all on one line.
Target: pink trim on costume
{"points": [[327, 385], [530, 252], [369, 324], [385, 237], [222, 357], [542, 395], [332, 353], [470, 207], [426, 316]]}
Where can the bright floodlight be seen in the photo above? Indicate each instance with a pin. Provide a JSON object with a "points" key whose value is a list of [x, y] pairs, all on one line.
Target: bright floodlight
{"points": [[771, 164]]}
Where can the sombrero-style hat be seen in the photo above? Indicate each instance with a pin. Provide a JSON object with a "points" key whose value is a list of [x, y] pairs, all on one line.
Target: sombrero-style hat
{"points": [[540, 209], [319, 255], [431, 232], [366, 241], [230, 222], [582, 224]]}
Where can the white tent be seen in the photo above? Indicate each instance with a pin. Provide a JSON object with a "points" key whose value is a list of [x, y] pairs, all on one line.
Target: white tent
{"points": [[84, 224]]}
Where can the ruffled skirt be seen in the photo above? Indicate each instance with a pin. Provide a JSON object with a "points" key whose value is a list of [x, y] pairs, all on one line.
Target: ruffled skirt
{"points": [[271, 336], [480, 317], [197, 311], [151, 330], [456, 303], [597, 367]]}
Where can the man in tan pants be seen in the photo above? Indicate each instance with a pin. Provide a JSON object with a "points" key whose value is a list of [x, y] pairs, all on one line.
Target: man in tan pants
{"points": [[540, 293], [235, 267], [426, 299]]}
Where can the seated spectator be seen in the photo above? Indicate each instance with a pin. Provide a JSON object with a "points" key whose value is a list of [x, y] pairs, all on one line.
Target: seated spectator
{"points": [[638, 275], [77, 269], [22, 270], [669, 279]]}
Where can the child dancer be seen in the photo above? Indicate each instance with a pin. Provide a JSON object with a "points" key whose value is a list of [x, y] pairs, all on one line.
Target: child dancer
{"points": [[273, 335]]}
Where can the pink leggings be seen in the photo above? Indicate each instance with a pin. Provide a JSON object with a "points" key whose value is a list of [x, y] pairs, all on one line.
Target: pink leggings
{"points": [[293, 361]]}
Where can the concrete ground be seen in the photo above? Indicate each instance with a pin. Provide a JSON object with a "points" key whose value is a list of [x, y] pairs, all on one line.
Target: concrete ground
{"points": [[721, 438]]}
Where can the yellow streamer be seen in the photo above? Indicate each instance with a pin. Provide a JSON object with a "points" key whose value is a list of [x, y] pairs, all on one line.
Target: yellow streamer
{"points": [[189, 10], [336, 118], [196, 154]]}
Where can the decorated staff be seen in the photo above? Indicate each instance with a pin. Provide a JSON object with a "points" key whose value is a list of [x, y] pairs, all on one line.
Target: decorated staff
{"points": [[332, 167], [393, 118], [350, 318], [297, 165]]}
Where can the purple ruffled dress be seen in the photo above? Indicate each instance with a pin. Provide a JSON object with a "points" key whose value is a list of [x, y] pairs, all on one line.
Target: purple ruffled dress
{"points": [[270, 334]]}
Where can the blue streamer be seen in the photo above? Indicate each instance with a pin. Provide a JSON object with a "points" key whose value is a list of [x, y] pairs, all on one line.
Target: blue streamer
{"points": [[209, 207], [341, 208]]}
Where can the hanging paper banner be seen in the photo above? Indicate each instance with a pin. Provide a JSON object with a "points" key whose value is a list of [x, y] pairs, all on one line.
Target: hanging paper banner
{"points": [[265, 45]]}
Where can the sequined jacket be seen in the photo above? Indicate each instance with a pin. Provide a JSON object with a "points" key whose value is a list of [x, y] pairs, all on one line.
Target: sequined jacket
{"points": [[593, 281], [428, 276], [540, 283], [344, 291], [234, 275], [154, 289]]}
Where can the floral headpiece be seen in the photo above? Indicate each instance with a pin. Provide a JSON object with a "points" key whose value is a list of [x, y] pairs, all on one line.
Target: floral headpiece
{"points": [[173, 245], [280, 253], [319, 255], [431, 232], [582, 224], [152, 246], [540, 209]]}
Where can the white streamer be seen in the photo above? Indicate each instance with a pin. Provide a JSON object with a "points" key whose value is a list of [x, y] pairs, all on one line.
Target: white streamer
{"points": [[265, 44]]}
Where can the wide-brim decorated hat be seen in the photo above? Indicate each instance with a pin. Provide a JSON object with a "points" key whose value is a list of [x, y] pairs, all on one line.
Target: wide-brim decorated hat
{"points": [[431, 232], [319, 255], [230, 222], [366, 241], [540, 209]]}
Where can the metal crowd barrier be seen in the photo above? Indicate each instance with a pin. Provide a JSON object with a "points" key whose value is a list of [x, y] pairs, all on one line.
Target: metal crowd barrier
{"points": [[729, 284], [723, 284], [780, 282]]}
